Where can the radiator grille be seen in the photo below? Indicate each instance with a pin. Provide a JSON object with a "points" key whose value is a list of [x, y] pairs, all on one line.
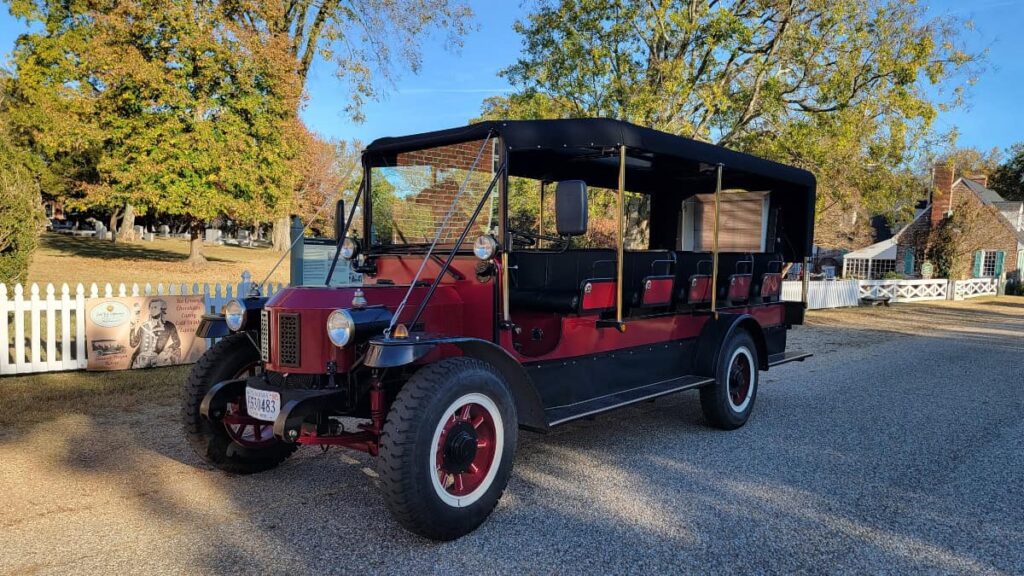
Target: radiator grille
{"points": [[288, 339], [265, 335]]}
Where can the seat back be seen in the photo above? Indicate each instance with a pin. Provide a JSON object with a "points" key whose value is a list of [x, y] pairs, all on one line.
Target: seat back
{"points": [[648, 278], [557, 281], [693, 278], [739, 272], [767, 281]]}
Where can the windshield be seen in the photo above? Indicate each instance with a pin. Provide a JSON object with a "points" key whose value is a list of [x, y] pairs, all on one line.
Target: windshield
{"points": [[410, 199]]}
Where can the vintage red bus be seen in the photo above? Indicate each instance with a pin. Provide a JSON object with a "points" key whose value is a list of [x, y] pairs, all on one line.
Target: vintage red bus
{"points": [[476, 319]]}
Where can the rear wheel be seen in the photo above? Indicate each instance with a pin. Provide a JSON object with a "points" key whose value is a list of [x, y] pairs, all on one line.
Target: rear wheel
{"points": [[728, 403], [447, 448], [237, 444]]}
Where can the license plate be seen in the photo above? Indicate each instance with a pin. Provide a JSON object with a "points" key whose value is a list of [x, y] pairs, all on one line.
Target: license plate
{"points": [[262, 404]]}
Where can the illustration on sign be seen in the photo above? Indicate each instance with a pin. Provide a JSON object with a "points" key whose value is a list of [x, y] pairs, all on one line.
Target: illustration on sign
{"points": [[143, 331]]}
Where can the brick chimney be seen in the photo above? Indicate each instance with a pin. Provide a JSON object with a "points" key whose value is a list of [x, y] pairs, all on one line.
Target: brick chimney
{"points": [[942, 192], [979, 178]]}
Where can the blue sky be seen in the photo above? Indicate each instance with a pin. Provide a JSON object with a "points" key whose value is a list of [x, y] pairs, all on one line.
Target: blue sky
{"points": [[450, 87]]}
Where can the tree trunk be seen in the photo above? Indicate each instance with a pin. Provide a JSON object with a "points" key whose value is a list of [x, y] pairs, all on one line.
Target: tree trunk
{"points": [[127, 230], [281, 234], [113, 225], [195, 245]]}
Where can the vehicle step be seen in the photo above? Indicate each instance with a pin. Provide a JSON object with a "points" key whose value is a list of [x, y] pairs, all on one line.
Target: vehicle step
{"points": [[783, 357], [569, 412]]}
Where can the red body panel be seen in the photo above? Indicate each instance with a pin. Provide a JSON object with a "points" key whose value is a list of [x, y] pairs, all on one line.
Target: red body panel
{"points": [[580, 335], [458, 308], [466, 308]]}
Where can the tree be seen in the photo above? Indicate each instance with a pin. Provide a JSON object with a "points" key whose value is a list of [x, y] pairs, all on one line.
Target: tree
{"points": [[1008, 178], [840, 88], [328, 170], [165, 105], [191, 107], [969, 161], [368, 40], [21, 212]]}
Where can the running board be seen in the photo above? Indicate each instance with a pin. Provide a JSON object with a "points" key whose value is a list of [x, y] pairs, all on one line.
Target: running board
{"points": [[783, 357], [569, 412]]}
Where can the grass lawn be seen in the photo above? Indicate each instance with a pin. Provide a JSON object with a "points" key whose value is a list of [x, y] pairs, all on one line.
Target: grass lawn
{"points": [[35, 398], [61, 258]]}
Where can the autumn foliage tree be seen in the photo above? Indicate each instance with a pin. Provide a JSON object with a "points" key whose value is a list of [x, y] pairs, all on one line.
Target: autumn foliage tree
{"points": [[168, 106], [842, 88], [328, 171], [190, 108]]}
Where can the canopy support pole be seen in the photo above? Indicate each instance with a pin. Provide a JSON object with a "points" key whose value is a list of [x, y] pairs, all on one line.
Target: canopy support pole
{"points": [[540, 213], [806, 286], [621, 240], [714, 245]]}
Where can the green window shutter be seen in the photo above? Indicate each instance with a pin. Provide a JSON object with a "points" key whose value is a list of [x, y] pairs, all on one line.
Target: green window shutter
{"points": [[1000, 256], [908, 262], [979, 256]]}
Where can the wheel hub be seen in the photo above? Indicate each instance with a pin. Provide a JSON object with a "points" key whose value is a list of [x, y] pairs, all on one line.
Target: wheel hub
{"points": [[739, 380], [460, 448]]}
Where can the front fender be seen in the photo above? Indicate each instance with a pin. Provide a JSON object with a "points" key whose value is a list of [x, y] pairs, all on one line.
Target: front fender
{"points": [[393, 352]]}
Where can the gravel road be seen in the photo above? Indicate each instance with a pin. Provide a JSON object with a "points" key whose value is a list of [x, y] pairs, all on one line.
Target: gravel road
{"points": [[898, 448]]}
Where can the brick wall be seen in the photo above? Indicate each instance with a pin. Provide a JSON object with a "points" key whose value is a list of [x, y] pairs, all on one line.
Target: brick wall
{"points": [[430, 180], [982, 226]]}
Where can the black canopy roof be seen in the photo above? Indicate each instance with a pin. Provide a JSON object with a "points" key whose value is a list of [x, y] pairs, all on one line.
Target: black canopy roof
{"points": [[658, 163]]}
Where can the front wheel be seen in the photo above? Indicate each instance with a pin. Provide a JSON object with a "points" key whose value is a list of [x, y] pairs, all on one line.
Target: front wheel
{"points": [[242, 448], [727, 404], [447, 448]]}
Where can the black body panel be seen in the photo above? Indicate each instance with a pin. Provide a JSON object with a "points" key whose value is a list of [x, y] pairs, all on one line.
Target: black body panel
{"points": [[583, 378]]}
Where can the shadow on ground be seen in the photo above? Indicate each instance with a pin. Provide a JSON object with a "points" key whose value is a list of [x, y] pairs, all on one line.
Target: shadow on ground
{"points": [[106, 250], [879, 457]]}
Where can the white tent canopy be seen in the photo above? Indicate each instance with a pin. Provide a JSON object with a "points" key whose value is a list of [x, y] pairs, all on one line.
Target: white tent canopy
{"points": [[884, 250]]}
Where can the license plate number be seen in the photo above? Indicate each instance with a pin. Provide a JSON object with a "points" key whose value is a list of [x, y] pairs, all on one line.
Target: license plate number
{"points": [[262, 404]]}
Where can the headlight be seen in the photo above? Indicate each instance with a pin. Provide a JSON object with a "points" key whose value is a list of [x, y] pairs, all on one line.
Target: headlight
{"points": [[340, 327], [349, 248], [485, 247], [234, 315]]}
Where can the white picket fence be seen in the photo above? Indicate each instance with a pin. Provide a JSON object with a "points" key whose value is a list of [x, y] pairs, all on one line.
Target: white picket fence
{"points": [[824, 293], [841, 293], [61, 346]]}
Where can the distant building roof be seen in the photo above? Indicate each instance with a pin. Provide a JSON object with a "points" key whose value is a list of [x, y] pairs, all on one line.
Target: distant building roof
{"points": [[884, 250], [987, 195]]}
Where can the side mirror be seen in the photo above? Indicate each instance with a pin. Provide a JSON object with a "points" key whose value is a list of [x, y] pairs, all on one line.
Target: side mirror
{"points": [[339, 221], [571, 208]]}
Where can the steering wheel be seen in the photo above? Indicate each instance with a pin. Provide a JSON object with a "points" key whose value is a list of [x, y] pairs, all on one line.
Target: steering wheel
{"points": [[523, 238]]}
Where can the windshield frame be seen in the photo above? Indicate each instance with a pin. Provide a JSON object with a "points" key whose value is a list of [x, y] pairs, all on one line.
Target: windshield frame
{"points": [[374, 248]]}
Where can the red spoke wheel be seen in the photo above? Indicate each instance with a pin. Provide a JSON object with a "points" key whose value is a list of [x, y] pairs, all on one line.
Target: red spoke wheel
{"points": [[727, 403], [740, 376], [244, 430], [467, 442], [238, 444], [447, 447]]}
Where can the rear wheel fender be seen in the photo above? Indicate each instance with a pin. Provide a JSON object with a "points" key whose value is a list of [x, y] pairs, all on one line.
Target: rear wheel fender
{"points": [[716, 333]]}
